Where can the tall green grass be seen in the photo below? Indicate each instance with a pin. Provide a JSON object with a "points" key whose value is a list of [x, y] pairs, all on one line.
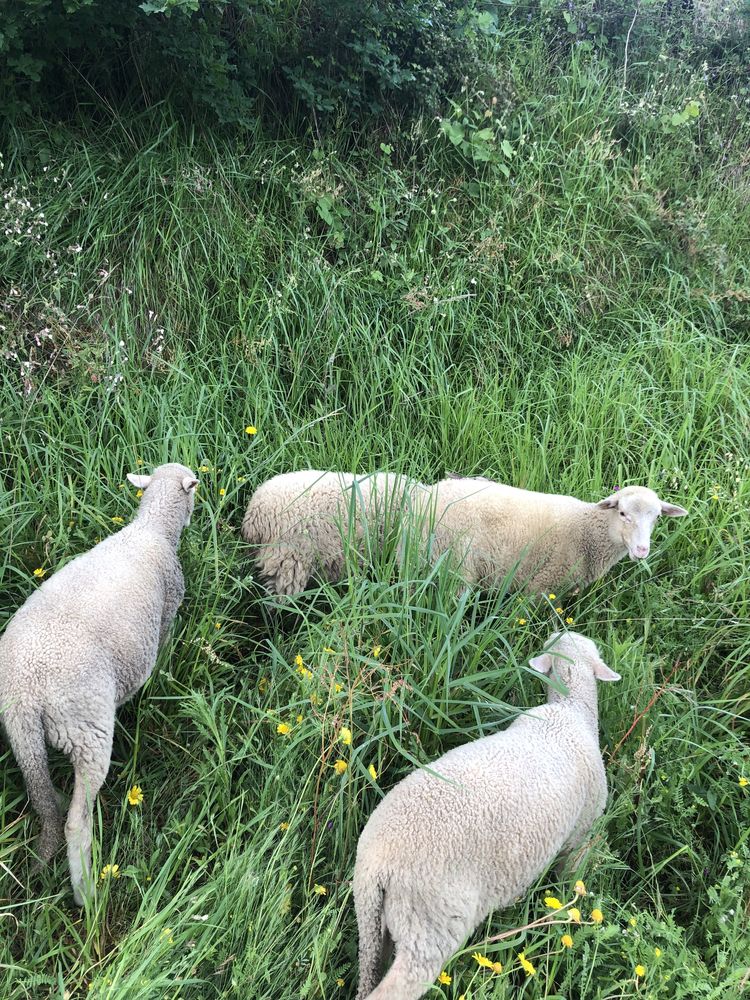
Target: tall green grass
{"points": [[578, 326]]}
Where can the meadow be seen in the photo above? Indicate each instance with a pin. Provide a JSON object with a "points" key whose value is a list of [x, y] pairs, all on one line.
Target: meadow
{"points": [[252, 303]]}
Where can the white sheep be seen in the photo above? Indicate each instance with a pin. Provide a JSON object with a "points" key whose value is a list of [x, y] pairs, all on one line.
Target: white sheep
{"points": [[449, 844], [81, 645], [550, 541], [299, 522]]}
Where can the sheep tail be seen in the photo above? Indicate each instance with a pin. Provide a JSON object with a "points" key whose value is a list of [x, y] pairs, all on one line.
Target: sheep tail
{"points": [[369, 896], [25, 731]]}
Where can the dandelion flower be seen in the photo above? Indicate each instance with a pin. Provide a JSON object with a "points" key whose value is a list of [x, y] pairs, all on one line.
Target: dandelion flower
{"points": [[39, 573], [552, 902], [283, 729], [118, 520], [575, 914], [569, 621], [251, 430], [552, 596], [597, 916], [298, 661], [579, 888], [340, 766], [372, 772], [444, 978], [338, 688], [113, 871], [497, 967], [345, 735], [528, 968], [482, 960], [283, 826], [657, 952], [743, 782], [559, 610], [222, 492], [376, 651], [520, 621], [632, 921], [640, 971], [339, 981], [566, 941], [217, 624], [139, 494], [203, 468], [135, 796], [320, 890]]}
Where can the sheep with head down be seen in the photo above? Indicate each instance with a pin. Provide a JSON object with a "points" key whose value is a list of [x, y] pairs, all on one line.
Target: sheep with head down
{"points": [[449, 844], [81, 645]]}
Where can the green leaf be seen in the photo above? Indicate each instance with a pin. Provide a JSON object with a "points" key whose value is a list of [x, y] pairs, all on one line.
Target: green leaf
{"points": [[507, 149], [484, 135], [692, 109]]}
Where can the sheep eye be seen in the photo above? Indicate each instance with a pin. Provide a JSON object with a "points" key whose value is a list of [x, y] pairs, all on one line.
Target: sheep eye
{"points": [[623, 514]]}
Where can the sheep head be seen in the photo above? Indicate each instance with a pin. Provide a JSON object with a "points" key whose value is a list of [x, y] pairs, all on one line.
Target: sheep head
{"points": [[633, 512]]}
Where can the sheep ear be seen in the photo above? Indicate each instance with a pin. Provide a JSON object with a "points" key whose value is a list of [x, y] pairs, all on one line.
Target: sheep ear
{"points": [[604, 673], [609, 503], [189, 484], [140, 482], [542, 663], [673, 510]]}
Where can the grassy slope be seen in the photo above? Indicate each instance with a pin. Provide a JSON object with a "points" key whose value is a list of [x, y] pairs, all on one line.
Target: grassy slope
{"points": [[568, 329]]}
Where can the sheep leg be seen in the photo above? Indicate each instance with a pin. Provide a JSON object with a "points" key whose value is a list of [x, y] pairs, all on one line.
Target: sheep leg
{"points": [[91, 762]]}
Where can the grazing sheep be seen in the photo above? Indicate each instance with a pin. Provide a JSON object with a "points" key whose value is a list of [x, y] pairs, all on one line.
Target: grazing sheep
{"points": [[551, 541], [449, 844], [298, 522], [81, 645]]}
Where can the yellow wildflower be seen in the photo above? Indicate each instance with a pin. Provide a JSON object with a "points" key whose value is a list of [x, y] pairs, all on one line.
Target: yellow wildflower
{"points": [[640, 970], [339, 981], [597, 916], [528, 968], [283, 729], [139, 461], [320, 890], [559, 610], [135, 795], [118, 520], [263, 685], [203, 468], [251, 430], [222, 492], [482, 960], [579, 888], [304, 673], [569, 621], [283, 826], [338, 688], [376, 651], [167, 935], [112, 870], [552, 902], [372, 772], [444, 978], [139, 494], [552, 596], [743, 782], [657, 952], [497, 967], [39, 573], [217, 624], [632, 921], [520, 621], [567, 941], [314, 699], [345, 735], [340, 766], [327, 649], [298, 661], [575, 914]]}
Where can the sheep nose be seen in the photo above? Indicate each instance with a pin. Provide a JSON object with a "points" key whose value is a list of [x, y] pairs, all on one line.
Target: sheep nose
{"points": [[641, 551]]}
